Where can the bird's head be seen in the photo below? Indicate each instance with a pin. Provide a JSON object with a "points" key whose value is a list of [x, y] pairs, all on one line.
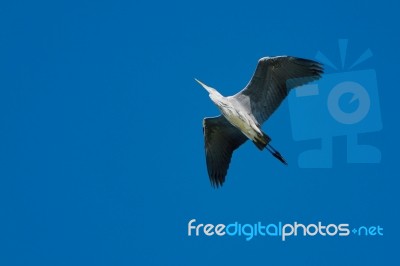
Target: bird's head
{"points": [[215, 96]]}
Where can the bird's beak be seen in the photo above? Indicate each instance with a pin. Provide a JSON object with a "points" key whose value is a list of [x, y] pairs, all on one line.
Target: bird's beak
{"points": [[208, 88]]}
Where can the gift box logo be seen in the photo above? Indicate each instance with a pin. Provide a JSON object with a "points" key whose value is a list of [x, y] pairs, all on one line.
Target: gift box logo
{"points": [[344, 103]]}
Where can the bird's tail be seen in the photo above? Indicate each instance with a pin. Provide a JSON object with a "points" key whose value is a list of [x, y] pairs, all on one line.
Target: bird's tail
{"points": [[261, 141]]}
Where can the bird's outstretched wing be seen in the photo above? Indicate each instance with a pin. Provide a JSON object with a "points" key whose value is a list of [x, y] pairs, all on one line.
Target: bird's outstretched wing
{"points": [[221, 139], [271, 82]]}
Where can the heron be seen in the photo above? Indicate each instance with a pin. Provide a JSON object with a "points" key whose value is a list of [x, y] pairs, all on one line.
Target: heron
{"points": [[243, 114]]}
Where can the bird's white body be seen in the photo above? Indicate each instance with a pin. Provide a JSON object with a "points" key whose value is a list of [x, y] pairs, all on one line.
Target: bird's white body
{"points": [[236, 116], [235, 113]]}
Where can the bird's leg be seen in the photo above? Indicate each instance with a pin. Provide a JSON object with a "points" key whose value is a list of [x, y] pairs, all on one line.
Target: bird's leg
{"points": [[276, 154]]}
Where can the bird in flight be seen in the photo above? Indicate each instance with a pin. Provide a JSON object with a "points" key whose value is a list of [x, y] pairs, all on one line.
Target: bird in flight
{"points": [[245, 112]]}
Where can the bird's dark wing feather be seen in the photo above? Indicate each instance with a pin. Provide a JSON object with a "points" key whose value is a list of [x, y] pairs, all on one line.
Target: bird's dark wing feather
{"points": [[271, 82], [221, 139]]}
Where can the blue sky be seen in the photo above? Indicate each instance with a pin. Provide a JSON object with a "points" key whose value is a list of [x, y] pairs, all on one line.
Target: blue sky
{"points": [[102, 160]]}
